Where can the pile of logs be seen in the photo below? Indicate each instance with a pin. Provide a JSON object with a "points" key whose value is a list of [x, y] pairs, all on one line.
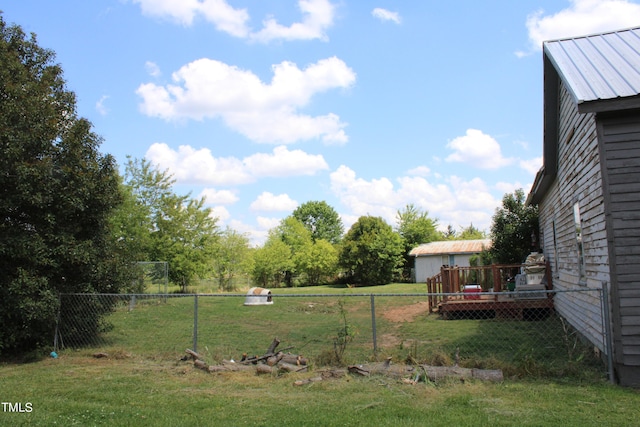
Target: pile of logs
{"points": [[432, 373], [270, 362], [408, 374]]}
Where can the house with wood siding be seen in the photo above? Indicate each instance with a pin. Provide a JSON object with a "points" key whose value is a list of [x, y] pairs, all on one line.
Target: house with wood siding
{"points": [[588, 190]]}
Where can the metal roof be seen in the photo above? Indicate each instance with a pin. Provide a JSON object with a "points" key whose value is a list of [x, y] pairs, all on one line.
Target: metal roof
{"points": [[451, 247], [599, 68]]}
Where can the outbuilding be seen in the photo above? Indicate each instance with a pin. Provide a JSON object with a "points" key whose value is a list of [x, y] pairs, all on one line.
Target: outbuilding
{"points": [[430, 257]]}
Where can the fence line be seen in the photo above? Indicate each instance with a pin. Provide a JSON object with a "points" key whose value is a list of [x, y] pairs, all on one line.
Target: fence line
{"points": [[489, 328]]}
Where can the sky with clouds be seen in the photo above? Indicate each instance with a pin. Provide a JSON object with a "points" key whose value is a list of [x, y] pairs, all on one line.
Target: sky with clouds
{"points": [[262, 105]]}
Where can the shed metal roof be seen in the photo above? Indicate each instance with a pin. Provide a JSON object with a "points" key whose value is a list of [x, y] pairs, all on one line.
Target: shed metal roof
{"points": [[451, 247], [599, 69]]}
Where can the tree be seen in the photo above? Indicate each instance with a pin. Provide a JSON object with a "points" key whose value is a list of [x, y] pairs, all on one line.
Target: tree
{"points": [[174, 228], [297, 237], [131, 226], [450, 233], [371, 252], [317, 261], [321, 220], [471, 233], [185, 237], [232, 257], [272, 261], [57, 192], [511, 229], [416, 228]]}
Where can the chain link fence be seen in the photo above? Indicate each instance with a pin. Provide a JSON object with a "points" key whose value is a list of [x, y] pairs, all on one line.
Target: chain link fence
{"points": [[524, 335]]}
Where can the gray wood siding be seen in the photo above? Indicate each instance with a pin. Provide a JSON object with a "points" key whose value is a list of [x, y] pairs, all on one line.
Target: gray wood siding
{"points": [[620, 153], [578, 180]]}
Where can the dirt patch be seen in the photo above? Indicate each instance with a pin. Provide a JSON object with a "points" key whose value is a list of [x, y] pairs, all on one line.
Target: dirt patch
{"points": [[389, 340], [408, 313]]}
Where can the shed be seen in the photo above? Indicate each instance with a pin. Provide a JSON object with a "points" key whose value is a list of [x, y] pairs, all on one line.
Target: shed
{"points": [[258, 296], [588, 189], [430, 257]]}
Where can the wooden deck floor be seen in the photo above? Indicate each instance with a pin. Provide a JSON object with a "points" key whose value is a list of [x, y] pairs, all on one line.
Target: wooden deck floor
{"points": [[488, 306]]}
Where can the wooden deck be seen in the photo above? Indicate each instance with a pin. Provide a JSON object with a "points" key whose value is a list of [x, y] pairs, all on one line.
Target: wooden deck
{"points": [[446, 296], [490, 306]]}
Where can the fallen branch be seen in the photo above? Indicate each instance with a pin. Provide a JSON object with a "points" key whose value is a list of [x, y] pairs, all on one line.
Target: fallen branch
{"points": [[433, 373]]}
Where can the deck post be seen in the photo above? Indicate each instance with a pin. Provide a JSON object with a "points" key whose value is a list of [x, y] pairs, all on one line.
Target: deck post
{"points": [[497, 281]]}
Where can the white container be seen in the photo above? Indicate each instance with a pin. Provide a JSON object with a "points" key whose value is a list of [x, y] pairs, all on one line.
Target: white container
{"points": [[258, 296], [534, 279]]}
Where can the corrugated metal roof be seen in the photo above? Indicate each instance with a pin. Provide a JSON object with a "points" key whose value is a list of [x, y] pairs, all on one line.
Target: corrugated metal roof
{"points": [[601, 67], [451, 247]]}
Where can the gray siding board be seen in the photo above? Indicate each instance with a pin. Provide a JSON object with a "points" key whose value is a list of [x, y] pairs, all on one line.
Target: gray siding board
{"points": [[634, 350], [620, 153], [578, 180], [625, 174], [632, 330], [630, 302]]}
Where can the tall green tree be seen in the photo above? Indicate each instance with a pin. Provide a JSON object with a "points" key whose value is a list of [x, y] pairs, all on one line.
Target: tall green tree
{"points": [[317, 262], [321, 220], [271, 263], [57, 192], [511, 229], [416, 228], [185, 236], [371, 252], [168, 227], [471, 233], [232, 258], [297, 237]]}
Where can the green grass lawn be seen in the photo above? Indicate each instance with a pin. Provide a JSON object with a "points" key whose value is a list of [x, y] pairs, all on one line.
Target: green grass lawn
{"points": [[144, 382], [77, 389]]}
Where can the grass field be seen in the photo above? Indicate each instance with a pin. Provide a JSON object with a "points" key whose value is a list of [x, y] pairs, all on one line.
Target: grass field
{"points": [[143, 382]]}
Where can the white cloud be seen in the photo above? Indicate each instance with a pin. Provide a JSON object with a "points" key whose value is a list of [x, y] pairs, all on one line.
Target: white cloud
{"points": [[455, 202], [510, 187], [267, 223], [257, 235], [386, 15], [478, 149], [152, 68], [375, 197], [532, 165], [190, 165], [582, 17], [419, 171], [263, 112], [218, 12], [318, 15], [100, 107], [285, 163], [269, 202], [218, 197], [221, 213]]}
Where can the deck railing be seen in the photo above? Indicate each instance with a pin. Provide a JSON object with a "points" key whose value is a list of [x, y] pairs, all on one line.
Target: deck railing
{"points": [[453, 279]]}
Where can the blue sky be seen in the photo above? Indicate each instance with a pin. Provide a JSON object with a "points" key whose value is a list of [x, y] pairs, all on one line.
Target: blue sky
{"points": [[260, 106]]}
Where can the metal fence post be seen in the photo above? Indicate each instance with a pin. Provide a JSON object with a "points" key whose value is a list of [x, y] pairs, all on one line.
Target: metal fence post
{"points": [[607, 330], [373, 326], [195, 322], [57, 330]]}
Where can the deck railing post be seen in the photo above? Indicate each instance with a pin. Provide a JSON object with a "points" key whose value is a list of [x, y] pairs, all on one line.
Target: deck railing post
{"points": [[496, 280]]}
